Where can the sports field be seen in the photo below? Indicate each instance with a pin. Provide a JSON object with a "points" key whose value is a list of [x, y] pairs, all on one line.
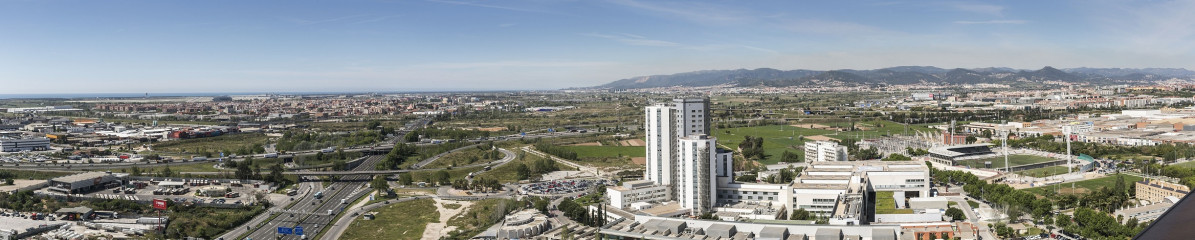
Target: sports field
{"points": [[1044, 172], [998, 162]]}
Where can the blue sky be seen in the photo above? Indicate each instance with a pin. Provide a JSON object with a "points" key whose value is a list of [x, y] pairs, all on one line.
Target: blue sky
{"points": [[280, 46]]}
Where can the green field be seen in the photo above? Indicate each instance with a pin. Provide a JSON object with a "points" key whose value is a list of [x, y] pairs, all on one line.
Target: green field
{"points": [[776, 139], [1044, 172], [1084, 186], [608, 151], [228, 143], [507, 173], [398, 221], [886, 204], [998, 162], [607, 156], [1190, 164]]}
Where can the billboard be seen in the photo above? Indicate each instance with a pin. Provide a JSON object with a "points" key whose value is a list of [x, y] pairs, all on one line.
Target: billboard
{"points": [[159, 204]]}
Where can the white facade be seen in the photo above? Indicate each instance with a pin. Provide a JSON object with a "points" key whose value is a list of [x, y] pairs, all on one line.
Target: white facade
{"points": [[695, 176], [661, 137], [636, 191], [821, 151]]}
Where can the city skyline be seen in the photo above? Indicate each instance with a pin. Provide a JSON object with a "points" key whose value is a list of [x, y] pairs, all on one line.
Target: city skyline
{"points": [[367, 46]]}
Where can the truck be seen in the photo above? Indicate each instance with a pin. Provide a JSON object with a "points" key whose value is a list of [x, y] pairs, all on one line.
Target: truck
{"points": [[328, 150], [319, 195], [344, 201], [271, 155], [292, 192]]}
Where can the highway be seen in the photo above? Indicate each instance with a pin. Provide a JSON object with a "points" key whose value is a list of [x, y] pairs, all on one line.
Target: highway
{"points": [[311, 213]]}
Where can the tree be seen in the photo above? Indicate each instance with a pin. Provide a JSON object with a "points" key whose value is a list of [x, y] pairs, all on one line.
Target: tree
{"points": [[379, 183], [970, 139], [522, 171], [166, 172], [243, 171], [956, 214], [442, 177], [405, 178], [897, 157], [800, 214], [276, 173]]}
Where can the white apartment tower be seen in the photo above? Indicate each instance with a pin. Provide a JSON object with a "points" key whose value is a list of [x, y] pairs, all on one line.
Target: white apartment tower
{"points": [[695, 175], [661, 136]]}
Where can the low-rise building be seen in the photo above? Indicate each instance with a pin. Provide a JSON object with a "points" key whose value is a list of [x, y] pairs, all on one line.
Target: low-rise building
{"points": [[636, 191], [84, 182], [1156, 191], [24, 144], [819, 151]]}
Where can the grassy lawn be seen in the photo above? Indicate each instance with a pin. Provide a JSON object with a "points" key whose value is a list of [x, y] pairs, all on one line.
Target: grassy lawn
{"points": [[32, 174], [228, 143], [608, 151], [886, 204], [507, 173], [1190, 164], [397, 221], [1014, 160], [607, 156], [187, 167], [973, 204], [462, 158], [878, 129], [1044, 172], [1084, 186], [776, 139]]}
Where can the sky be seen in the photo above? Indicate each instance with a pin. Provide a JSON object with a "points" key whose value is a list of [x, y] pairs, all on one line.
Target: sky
{"points": [[434, 45]]}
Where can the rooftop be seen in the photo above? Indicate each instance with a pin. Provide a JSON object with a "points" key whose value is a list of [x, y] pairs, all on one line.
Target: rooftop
{"points": [[81, 177]]}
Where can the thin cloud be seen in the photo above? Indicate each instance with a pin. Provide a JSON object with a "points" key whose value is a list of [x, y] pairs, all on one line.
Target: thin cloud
{"points": [[635, 40], [692, 11], [981, 8], [473, 4], [993, 22], [515, 64], [302, 21]]}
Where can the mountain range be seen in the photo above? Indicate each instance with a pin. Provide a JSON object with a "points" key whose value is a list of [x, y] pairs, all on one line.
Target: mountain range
{"points": [[903, 75]]}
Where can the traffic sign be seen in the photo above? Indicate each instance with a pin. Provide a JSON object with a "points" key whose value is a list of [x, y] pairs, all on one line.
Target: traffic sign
{"points": [[159, 204], [298, 230], [284, 230]]}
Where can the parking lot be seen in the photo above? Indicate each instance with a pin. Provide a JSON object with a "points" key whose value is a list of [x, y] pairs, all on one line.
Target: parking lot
{"points": [[187, 191], [558, 187]]}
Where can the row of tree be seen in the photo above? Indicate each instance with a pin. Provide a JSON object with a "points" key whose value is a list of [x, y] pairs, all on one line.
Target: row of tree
{"points": [[752, 148]]}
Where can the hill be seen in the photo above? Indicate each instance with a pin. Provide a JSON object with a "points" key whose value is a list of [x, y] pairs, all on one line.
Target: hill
{"points": [[903, 75]]}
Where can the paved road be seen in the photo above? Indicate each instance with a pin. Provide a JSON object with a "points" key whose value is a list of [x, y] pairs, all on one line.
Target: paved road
{"points": [[972, 217], [305, 190], [312, 213]]}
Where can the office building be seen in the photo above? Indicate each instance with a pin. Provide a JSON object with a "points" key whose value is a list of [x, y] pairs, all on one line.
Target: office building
{"points": [[24, 144]]}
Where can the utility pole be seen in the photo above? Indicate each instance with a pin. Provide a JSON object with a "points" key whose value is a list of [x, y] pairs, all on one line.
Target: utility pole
{"points": [[1066, 130], [1005, 144]]}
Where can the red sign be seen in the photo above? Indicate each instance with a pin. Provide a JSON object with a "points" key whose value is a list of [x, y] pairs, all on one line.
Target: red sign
{"points": [[160, 204]]}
